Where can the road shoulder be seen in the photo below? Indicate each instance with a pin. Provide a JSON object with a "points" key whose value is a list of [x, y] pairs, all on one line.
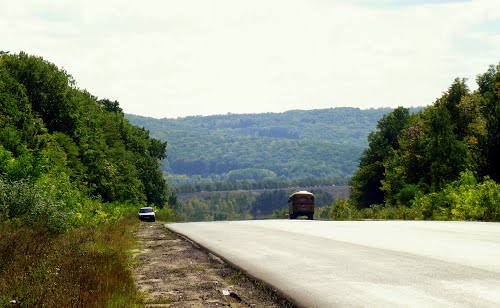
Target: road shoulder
{"points": [[174, 272]]}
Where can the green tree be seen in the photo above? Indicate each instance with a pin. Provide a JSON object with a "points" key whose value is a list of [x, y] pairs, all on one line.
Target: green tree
{"points": [[46, 87], [48, 126], [432, 153], [489, 89], [367, 181], [451, 100], [445, 155]]}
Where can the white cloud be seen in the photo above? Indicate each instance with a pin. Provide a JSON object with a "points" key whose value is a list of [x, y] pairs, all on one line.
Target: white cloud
{"points": [[176, 58]]}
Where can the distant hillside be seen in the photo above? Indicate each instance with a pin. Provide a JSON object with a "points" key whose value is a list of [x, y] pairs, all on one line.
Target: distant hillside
{"points": [[333, 191], [295, 144]]}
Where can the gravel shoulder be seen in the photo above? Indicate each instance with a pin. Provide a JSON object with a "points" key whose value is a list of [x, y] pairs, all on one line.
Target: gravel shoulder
{"points": [[174, 272]]}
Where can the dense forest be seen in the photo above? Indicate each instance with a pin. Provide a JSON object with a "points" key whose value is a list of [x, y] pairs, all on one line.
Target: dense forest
{"points": [[52, 131], [72, 169], [441, 163], [239, 205], [285, 146], [264, 184]]}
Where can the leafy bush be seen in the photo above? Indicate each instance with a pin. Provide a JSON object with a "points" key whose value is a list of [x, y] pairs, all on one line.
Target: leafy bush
{"points": [[21, 167], [464, 199], [280, 213], [407, 194], [30, 203], [477, 202], [343, 209], [166, 214], [435, 206]]}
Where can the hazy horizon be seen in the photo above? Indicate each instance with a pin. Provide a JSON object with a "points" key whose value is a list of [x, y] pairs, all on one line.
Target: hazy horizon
{"points": [[266, 112], [185, 58]]}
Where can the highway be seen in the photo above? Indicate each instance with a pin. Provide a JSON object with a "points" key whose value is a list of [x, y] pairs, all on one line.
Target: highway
{"points": [[363, 263]]}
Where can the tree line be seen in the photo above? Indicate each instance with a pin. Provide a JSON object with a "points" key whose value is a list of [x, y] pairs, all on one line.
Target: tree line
{"points": [[237, 205], [52, 131], [440, 163], [272, 146], [264, 184]]}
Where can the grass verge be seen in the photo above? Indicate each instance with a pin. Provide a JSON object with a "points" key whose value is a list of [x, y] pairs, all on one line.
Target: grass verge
{"points": [[84, 267]]}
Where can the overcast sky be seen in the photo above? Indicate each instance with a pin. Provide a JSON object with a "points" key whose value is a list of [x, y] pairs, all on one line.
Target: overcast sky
{"points": [[172, 58]]}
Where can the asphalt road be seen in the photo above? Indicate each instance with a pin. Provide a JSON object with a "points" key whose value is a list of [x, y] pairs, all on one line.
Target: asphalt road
{"points": [[363, 263]]}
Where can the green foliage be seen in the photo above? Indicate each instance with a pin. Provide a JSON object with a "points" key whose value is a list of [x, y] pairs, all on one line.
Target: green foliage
{"points": [[293, 145], [424, 175], [445, 154], [233, 206], [269, 201], [344, 209], [29, 203], [407, 194], [341, 209], [489, 145], [386, 212], [250, 174], [464, 199], [47, 126], [47, 88], [166, 214], [264, 184], [242, 205], [366, 182], [72, 169], [280, 213], [27, 165]]}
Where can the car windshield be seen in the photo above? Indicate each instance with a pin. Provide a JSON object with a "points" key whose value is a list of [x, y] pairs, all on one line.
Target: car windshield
{"points": [[148, 210]]}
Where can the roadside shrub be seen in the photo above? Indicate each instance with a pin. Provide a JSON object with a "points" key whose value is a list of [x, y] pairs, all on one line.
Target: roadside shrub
{"points": [[321, 212], [477, 202], [343, 209], [435, 206], [492, 199], [464, 199], [407, 194], [283, 213], [379, 211], [166, 214], [30, 203]]}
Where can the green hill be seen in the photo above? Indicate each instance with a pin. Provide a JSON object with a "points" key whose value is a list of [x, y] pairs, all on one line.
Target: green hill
{"points": [[278, 146]]}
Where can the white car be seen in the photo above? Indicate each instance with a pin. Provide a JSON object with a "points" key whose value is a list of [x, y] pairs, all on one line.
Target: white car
{"points": [[147, 213]]}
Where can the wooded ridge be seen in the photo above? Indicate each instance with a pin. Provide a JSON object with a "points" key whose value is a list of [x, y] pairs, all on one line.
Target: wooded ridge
{"points": [[296, 144]]}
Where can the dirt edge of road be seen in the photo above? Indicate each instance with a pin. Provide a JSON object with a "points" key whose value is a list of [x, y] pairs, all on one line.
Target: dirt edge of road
{"points": [[174, 271], [280, 297]]}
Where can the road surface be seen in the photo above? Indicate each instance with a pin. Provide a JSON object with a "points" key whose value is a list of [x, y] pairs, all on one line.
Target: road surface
{"points": [[363, 263]]}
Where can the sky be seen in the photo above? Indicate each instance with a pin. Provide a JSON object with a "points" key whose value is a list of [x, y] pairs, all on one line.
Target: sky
{"points": [[176, 58]]}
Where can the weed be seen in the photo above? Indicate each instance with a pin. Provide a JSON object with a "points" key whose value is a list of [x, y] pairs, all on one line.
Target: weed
{"points": [[159, 301], [83, 267]]}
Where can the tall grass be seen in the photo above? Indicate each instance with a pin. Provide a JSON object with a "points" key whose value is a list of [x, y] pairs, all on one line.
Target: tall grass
{"points": [[83, 267]]}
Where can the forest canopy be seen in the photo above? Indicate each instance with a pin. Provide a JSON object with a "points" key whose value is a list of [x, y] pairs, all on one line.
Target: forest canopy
{"points": [[443, 161], [297, 144]]}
